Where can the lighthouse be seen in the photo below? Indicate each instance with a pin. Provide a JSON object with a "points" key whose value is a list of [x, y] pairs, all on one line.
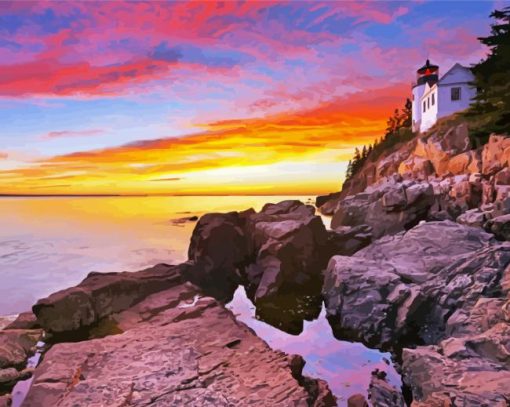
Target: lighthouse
{"points": [[434, 97], [427, 74]]}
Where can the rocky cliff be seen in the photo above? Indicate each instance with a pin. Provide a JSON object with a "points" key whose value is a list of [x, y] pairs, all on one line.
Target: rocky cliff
{"points": [[435, 176], [433, 285]]}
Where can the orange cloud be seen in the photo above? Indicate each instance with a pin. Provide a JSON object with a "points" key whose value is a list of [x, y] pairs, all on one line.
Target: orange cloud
{"points": [[295, 152]]}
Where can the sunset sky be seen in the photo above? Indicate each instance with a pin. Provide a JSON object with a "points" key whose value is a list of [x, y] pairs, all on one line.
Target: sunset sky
{"points": [[255, 97]]}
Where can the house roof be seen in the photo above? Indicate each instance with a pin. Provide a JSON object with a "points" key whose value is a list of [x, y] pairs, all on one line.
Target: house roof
{"points": [[454, 68]]}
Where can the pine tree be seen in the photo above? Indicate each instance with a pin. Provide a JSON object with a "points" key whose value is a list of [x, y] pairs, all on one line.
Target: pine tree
{"points": [[348, 173], [364, 153], [492, 76], [356, 161], [407, 113], [357, 156], [397, 116]]}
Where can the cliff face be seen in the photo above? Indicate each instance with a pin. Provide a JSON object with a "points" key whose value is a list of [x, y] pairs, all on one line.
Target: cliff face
{"points": [[445, 160]]}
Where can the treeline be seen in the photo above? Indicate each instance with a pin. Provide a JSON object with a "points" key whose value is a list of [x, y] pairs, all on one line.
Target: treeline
{"points": [[490, 112], [398, 129]]}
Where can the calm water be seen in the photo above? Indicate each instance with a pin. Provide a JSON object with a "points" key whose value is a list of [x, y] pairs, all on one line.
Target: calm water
{"points": [[47, 244]]}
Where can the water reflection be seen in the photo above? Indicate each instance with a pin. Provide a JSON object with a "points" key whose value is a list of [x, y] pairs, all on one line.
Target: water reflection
{"points": [[47, 244], [344, 365]]}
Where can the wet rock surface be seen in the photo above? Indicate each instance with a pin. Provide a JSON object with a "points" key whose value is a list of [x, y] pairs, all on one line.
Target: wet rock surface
{"points": [[16, 346], [439, 284], [278, 254], [383, 394], [175, 348], [100, 295]]}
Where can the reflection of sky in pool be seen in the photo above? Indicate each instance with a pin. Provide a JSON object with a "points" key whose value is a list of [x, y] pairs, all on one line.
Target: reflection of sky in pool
{"points": [[51, 243], [47, 244], [344, 365]]}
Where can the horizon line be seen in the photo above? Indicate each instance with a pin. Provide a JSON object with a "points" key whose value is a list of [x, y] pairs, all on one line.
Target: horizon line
{"points": [[138, 195]]}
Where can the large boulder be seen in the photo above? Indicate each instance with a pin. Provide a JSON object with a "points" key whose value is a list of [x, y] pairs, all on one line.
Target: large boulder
{"points": [[468, 162], [278, 254], [347, 240], [292, 248], [500, 226], [100, 295], [470, 371], [466, 194], [403, 287], [166, 355], [381, 393], [16, 345], [418, 168], [440, 284], [495, 154], [388, 208], [219, 250], [440, 147], [323, 202], [474, 217], [290, 242]]}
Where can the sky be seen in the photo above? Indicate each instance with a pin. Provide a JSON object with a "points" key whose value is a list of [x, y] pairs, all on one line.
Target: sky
{"points": [[250, 97]]}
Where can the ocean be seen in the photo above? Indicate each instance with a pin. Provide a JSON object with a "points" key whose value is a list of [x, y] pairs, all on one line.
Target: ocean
{"points": [[51, 243]]}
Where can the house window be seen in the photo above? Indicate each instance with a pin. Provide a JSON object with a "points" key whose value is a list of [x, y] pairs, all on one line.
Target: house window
{"points": [[428, 103], [433, 100], [424, 105], [455, 93]]}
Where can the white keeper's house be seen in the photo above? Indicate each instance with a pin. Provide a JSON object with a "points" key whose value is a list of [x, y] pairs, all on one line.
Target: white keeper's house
{"points": [[435, 97]]}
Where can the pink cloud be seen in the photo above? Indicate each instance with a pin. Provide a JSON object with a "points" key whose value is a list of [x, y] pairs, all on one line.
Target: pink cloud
{"points": [[3, 156], [71, 133], [363, 11]]}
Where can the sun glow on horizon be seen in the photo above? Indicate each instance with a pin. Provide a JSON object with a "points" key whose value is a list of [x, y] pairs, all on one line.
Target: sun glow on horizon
{"points": [[214, 97]]}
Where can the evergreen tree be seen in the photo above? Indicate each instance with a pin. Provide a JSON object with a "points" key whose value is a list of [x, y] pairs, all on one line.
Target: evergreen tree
{"points": [[407, 113], [401, 119], [357, 156], [356, 161], [492, 76], [348, 173]]}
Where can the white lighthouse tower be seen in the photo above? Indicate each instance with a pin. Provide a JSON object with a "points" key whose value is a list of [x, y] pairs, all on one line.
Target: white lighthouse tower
{"points": [[427, 74]]}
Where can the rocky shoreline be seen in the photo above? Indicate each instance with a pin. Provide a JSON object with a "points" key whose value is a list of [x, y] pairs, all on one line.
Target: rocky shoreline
{"points": [[416, 263]]}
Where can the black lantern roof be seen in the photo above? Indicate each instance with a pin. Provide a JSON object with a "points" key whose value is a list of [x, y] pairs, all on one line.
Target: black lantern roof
{"points": [[427, 69]]}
